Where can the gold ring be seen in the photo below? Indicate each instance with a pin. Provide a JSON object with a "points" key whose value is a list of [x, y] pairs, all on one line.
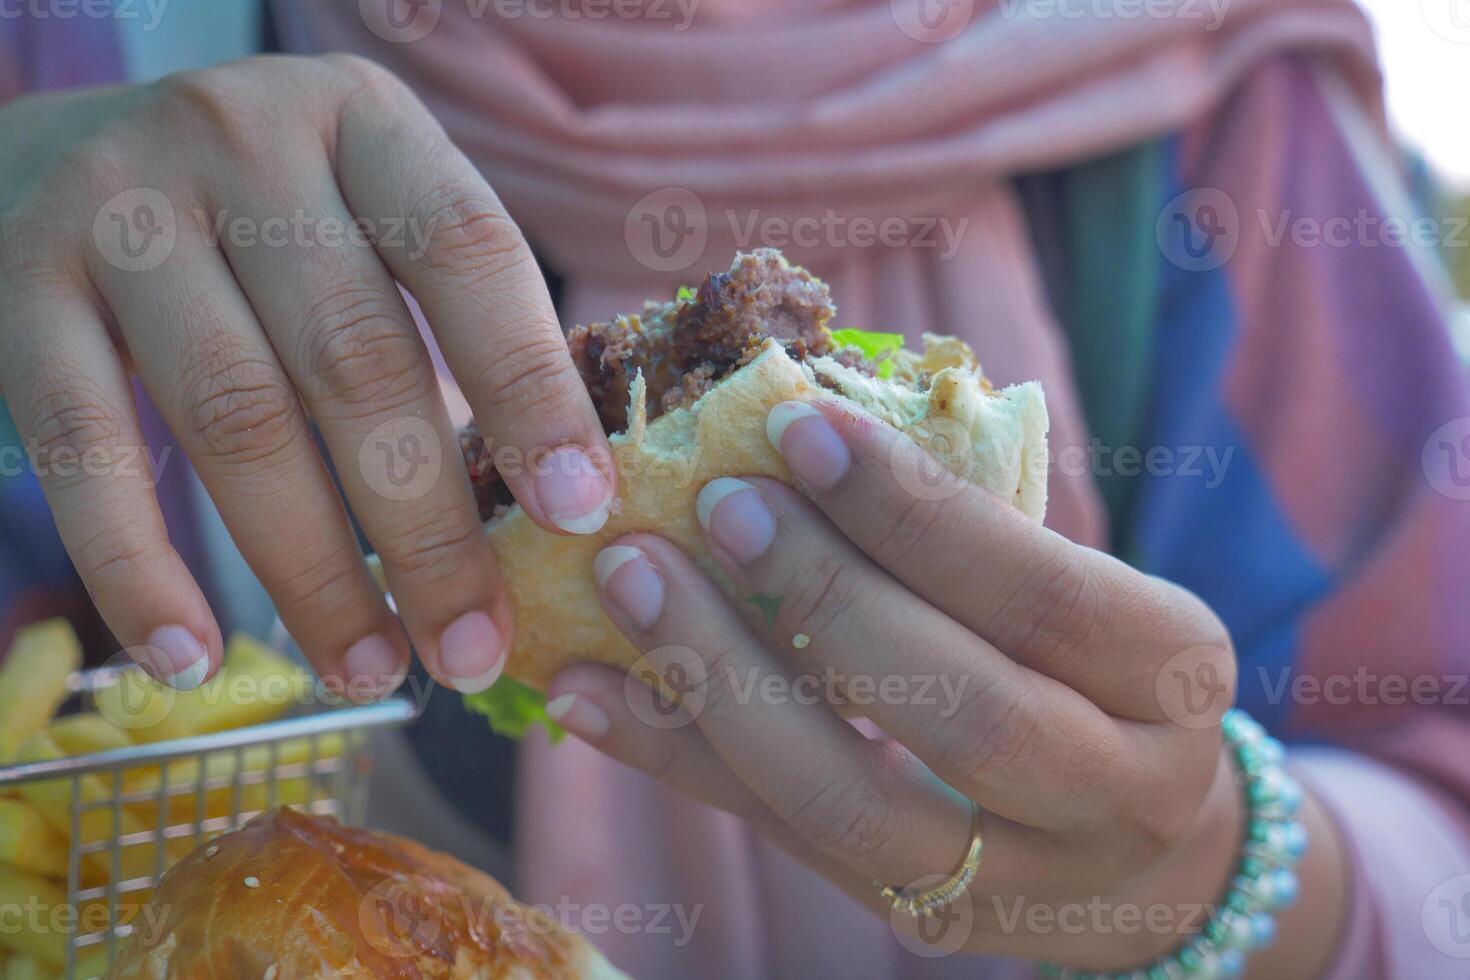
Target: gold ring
{"points": [[931, 900]]}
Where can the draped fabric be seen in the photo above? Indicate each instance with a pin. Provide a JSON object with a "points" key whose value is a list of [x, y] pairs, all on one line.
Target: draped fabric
{"points": [[1312, 411]]}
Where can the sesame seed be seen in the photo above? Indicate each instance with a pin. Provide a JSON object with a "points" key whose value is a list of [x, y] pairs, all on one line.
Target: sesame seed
{"points": [[211, 851], [800, 640], [271, 972], [252, 882]]}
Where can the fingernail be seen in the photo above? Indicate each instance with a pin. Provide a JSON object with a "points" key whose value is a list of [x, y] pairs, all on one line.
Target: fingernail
{"points": [[572, 491], [579, 716], [373, 668], [736, 515], [809, 444], [176, 657], [470, 653], [630, 582]]}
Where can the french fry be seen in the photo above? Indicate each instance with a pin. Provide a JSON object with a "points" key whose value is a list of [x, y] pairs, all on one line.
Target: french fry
{"points": [[184, 775], [40, 905], [33, 680], [53, 798], [86, 733], [28, 842], [254, 685]]}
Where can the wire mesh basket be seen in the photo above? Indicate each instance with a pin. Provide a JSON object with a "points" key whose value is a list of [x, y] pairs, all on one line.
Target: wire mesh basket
{"points": [[136, 810]]}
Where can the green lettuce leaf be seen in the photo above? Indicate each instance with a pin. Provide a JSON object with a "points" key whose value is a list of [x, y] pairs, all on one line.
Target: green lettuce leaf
{"points": [[874, 345], [686, 294], [513, 708]]}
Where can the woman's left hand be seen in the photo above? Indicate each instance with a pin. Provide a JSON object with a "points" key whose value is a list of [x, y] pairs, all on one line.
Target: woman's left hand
{"points": [[1074, 699]]}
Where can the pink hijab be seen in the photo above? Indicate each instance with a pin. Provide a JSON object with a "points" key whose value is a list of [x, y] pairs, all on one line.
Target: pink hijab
{"points": [[639, 153]]}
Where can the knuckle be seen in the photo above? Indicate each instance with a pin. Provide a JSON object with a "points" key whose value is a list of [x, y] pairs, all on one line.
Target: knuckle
{"points": [[240, 406], [722, 690], [34, 248], [469, 235], [848, 815], [522, 374], [113, 551], [911, 525], [835, 585], [364, 75], [1054, 609], [438, 548], [319, 585], [988, 739], [360, 353], [68, 420], [1159, 824], [210, 99]]}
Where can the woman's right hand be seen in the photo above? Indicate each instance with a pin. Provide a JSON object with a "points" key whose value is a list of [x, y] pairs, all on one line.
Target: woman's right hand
{"points": [[199, 233]]}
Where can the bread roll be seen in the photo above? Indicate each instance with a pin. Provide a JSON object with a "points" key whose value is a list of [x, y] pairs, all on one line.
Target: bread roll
{"points": [[295, 897]]}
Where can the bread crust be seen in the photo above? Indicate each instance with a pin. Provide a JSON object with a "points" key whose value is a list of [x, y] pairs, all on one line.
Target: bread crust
{"points": [[995, 439], [295, 897]]}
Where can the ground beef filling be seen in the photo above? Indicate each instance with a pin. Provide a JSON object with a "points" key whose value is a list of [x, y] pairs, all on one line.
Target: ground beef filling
{"points": [[685, 348]]}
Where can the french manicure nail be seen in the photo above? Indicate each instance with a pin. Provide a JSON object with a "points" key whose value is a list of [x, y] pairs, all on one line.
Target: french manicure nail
{"points": [[572, 491], [470, 653], [174, 656], [630, 582], [373, 668], [737, 517], [579, 716], [809, 444]]}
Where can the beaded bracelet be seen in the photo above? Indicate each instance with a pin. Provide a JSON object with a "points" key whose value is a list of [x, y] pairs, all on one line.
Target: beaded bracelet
{"points": [[1265, 879]]}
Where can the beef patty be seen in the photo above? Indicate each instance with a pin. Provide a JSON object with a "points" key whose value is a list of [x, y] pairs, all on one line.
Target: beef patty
{"points": [[684, 348]]}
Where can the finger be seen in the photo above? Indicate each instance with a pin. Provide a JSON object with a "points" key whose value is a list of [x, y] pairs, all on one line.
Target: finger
{"points": [[609, 710], [477, 281], [866, 803], [1046, 602], [605, 708], [72, 403], [1022, 744], [350, 346], [203, 357]]}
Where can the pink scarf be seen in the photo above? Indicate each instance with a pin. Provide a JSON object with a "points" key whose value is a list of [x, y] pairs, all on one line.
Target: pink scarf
{"points": [[638, 156]]}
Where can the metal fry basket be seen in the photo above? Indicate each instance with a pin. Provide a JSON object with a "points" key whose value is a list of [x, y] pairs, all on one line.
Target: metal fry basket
{"points": [[136, 810]]}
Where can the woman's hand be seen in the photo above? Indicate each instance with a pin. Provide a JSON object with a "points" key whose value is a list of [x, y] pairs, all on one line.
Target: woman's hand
{"points": [[1037, 678], [233, 237]]}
